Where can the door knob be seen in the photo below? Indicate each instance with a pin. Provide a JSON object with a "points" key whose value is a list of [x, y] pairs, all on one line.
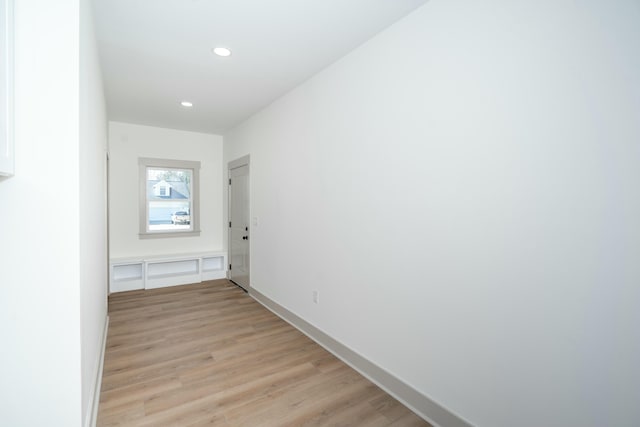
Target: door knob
{"points": [[245, 237]]}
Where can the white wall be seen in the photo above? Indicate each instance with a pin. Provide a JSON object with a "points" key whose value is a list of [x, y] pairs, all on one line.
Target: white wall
{"points": [[127, 143], [463, 190], [39, 229], [93, 210]]}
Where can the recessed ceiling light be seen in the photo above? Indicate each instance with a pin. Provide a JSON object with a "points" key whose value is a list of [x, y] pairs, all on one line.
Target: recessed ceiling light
{"points": [[186, 104], [222, 51]]}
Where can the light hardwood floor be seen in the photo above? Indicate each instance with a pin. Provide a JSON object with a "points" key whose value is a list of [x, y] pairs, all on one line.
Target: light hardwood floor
{"points": [[208, 354]]}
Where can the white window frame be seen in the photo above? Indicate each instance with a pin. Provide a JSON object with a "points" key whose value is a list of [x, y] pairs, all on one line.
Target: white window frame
{"points": [[7, 162], [145, 163]]}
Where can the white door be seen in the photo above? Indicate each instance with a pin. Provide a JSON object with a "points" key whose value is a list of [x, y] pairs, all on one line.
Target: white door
{"points": [[239, 237]]}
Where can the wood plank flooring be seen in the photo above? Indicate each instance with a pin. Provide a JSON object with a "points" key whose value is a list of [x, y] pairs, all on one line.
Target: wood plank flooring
{"points": [[208, 354]]}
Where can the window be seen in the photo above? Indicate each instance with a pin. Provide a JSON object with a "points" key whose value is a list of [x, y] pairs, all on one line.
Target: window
{"points": [[6, 87], [169, 198]]}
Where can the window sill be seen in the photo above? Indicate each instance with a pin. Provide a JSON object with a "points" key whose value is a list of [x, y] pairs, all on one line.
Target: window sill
{"points": [[163, 234]]}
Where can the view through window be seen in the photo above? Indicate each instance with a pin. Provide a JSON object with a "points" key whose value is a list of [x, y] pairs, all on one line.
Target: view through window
{"points": [[169, 199]]}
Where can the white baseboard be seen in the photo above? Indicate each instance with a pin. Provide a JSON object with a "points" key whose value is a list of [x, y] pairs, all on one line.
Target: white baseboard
{"points": [[422, 405], [214, 275], [92, 415]]}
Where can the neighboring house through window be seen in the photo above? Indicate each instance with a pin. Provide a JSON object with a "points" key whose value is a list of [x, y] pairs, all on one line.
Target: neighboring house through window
{"points": [[169, 198], [163, 188]]}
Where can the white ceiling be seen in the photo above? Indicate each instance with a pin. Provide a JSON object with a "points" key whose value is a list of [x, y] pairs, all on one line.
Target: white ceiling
{"points": [[156, 53]]}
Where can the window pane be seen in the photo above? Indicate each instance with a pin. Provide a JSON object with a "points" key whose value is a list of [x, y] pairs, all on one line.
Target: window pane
{"points": [[169, 215], [169, 199]]}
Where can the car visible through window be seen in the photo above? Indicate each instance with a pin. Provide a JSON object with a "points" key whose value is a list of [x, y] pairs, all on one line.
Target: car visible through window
{"points": [[180, 217]]}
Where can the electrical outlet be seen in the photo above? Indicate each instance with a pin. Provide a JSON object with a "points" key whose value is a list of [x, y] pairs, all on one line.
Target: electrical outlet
{"points": [[316, 297]]}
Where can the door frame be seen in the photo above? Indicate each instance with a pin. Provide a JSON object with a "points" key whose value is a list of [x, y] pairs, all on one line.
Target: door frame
{"points": [[239, 162]]}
